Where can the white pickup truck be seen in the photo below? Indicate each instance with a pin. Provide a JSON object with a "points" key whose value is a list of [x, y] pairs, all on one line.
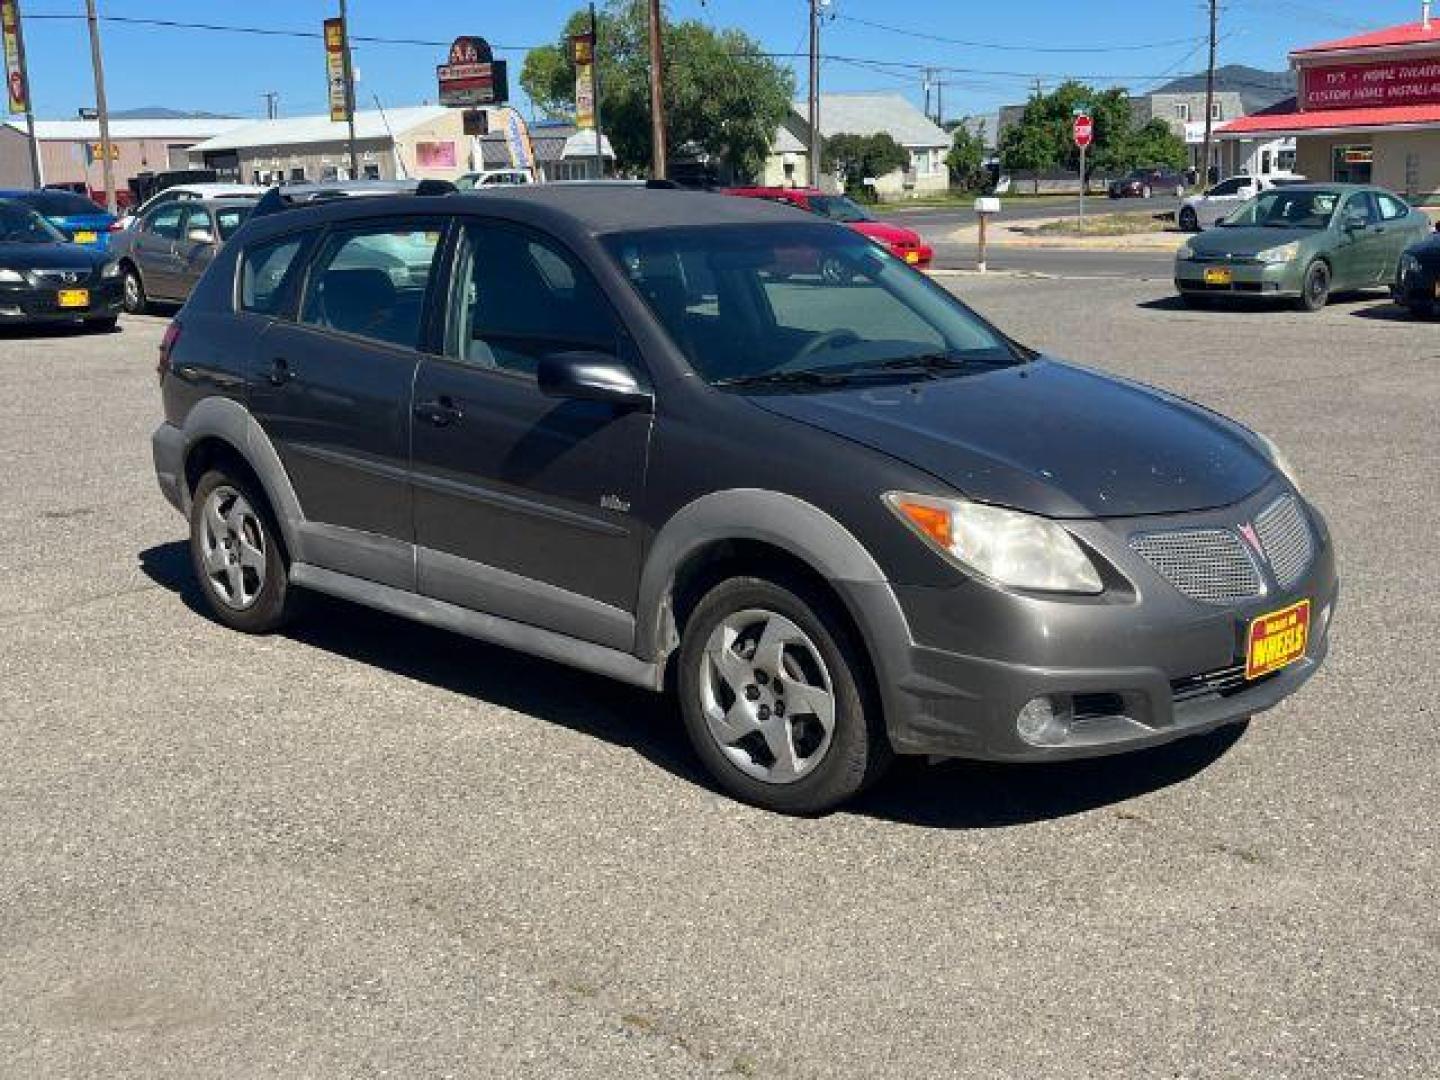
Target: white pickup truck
{"points": [[1203, 211]]}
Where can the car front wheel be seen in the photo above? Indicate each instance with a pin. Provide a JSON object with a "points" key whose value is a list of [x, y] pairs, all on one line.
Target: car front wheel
{"points": [[237, 555], [134, 292], [774, 694], [1189, 220], [1315, 292]]}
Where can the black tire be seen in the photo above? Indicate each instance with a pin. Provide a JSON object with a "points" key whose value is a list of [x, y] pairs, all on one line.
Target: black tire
{"points": [[1189, 220], [274, 601], [103, 326], [1315, 289], [133, 291], [858, 751]]}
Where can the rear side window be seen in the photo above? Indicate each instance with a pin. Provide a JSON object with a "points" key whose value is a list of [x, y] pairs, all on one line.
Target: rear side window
{"points": [[165, 222], [229, 220], [264, 274], [371, 281], [1391, 208]]}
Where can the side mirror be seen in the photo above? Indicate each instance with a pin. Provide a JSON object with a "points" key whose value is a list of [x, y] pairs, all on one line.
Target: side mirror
{"points": [[591, 376], [1354, 223], [200, 236]]}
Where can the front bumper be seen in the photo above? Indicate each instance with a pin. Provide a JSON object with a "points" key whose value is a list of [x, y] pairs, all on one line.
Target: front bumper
{"points": [[1141, 668], [1277, 280], [25, 304]]}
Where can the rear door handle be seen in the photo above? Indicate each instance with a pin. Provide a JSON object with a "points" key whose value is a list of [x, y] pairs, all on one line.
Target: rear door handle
{"points": [[280, 372], [440, 412]]}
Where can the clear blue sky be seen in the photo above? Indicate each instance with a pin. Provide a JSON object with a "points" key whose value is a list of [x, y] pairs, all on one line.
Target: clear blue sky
{"points": [[227, 73]]}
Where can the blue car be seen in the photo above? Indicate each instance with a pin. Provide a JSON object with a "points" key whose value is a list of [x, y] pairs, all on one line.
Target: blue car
{"points": [[80, 219]]}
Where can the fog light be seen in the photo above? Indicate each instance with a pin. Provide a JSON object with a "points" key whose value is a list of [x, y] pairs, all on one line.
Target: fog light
{"points": [[10, 310], [1044, 721]]}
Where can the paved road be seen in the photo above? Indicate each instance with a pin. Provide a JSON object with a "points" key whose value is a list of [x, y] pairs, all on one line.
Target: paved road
{"points": [[937, 226], [369, 849]]}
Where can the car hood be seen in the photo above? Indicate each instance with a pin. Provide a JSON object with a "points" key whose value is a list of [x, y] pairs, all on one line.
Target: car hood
{"points": [[1047, 437], [49, 257], [1246, 241], [890, 234]]}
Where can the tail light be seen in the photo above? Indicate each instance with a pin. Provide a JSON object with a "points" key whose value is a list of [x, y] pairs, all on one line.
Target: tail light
{"points": [[167, 347], [118, 225]]}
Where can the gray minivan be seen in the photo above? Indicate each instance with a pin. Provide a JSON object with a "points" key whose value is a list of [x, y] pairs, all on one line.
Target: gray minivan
{"points": [[637, 431]]}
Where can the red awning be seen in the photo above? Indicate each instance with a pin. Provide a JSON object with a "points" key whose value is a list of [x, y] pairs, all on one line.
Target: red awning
{"points": [[1325, 119], [1408, 34]]}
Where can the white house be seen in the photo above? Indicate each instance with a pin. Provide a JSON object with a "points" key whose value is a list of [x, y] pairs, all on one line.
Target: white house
{"points": [[872, 113]]}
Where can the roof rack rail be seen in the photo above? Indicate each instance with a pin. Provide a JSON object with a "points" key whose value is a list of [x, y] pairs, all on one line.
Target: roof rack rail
{"points": [[289, 196]]}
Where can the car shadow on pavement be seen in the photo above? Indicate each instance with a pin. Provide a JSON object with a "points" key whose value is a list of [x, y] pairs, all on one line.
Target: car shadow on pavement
{"points": [[1251, 305], [952, 794], [33, 331], [1389, 312]]}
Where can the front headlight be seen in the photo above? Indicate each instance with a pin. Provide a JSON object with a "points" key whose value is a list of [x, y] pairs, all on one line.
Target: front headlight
{"points": [[11, 277], [1185, 253], [1007, 547], [1279, 460], [1283, 254], [111, 270]]}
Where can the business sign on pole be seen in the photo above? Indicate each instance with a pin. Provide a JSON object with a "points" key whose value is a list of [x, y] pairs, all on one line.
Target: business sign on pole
{"points": [[1084, 131], [17, 91], [582, 49], [472, 76], [1355, 86], [335, 69]]}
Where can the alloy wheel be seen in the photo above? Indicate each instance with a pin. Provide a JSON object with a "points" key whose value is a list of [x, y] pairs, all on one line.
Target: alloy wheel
{"points": [[134, 292], [767, 697], [232, 545]]}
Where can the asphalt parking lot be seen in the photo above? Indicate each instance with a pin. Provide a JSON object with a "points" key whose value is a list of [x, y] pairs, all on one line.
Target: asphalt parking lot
{"points": [[368, 849]]}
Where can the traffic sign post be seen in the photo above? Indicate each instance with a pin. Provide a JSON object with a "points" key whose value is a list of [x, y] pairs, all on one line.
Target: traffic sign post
{"points": [[1084, 134]]}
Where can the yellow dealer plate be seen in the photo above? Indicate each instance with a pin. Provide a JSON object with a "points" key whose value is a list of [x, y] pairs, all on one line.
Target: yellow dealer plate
{"points": [[84, 236], [1219, 275], [1277, 640], [73, 298]]}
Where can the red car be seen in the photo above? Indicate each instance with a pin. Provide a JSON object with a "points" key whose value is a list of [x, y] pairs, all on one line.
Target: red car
{"points": [[904, 244]]}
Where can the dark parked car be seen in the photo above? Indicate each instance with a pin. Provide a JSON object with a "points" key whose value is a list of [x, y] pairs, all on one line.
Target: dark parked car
{"points": [[1145, 183], [843, 522], [1417, 285], [163, 254], [76, 216], [44, 278]]}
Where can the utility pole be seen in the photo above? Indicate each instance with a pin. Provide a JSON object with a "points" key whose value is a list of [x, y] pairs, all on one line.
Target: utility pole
{"points": [[349, 90], [102, 108], [35, 175], [817, 144], [272, 104], [595, 91], [657, 96], [1209, 95]]}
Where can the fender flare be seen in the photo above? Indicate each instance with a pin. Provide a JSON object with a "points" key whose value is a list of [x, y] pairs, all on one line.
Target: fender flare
{"points": [[786, 522], [226, 419]]}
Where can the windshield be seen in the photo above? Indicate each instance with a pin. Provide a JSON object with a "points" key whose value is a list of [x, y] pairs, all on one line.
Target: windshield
{"points": [[55, 204], [839, 208], [1288, 209], [21, 225], [230, 218], [793, 304]]}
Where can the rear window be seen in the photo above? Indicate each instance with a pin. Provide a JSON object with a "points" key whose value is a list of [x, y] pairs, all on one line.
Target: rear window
{"points": [[229, 219], [60, 204]]}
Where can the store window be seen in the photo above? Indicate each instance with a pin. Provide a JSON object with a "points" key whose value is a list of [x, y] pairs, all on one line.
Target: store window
{"points": [[1352, 164]]}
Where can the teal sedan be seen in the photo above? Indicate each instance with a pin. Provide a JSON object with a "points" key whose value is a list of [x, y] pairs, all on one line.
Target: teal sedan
{"points": [[1302, 243]]}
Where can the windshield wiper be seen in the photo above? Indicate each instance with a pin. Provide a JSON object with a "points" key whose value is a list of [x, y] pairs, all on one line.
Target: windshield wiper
{"points": [[928, 363], [800, 377]]}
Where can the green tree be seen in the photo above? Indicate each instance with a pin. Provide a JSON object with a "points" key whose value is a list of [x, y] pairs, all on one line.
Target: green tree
{"points": [[966, 158], [722, 96], [1157, 144], [855, 157]]}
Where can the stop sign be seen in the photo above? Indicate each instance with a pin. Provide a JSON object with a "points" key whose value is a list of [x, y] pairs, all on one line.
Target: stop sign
{"points": [[1084, 131]]}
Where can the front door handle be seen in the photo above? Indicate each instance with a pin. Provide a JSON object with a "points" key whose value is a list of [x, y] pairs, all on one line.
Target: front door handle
{"points": [[280, 372], [440, 412]]}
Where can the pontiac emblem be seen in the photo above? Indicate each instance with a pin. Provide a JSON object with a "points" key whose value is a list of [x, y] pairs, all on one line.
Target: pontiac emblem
{"points": [[1247, 530]]}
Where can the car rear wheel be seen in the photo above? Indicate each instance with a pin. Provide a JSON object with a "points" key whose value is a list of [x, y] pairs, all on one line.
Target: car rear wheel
{"points": [[774, 694], [134, 297], [1315, 292], [237, 555], [1189, 220]]}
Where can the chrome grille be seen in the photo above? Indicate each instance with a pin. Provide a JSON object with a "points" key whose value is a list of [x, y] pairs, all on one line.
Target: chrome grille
{"points": [[1209, 565], [1285, 536]]}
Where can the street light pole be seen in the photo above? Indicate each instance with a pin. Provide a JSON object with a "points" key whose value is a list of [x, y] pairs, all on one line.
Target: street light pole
{"points": [[816, 143], [35, 176], [657, 98], [349, 90], [102, 108]]}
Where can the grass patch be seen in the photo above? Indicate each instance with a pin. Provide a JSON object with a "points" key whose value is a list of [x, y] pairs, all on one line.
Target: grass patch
{"points": [[1107, 225]]}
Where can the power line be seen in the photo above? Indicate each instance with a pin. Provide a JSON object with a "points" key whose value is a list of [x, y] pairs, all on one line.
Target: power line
{"points": [[999, 47]]}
